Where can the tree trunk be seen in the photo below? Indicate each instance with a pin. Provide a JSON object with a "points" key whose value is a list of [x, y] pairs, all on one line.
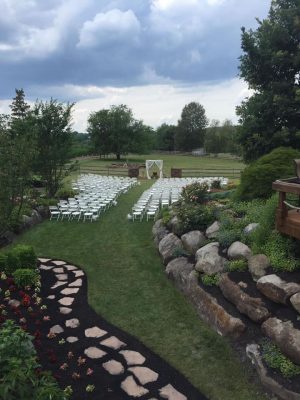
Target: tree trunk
{"points": [[118, 156]]}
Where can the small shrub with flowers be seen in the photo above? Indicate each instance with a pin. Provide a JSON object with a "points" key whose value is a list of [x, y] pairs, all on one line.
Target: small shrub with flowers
{"points": [[195, 193]]}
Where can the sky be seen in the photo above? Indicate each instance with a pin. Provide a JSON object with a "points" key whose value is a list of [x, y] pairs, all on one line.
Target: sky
{"points": [[155, 56]]}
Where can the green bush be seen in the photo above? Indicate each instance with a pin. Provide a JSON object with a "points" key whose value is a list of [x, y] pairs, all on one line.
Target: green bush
{"points": [[276, 360], [195, 193], [13, 262], [210, 280], [26, 255], [216, 184], [64, 193], [18, 367], [279, 250], [193, 216], [25, 277], [46, 202], [3, 262], [257, 178], [237, 265]]}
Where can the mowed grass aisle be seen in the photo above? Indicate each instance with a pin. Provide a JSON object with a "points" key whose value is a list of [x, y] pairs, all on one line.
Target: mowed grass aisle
{"points": [[128, 287]]}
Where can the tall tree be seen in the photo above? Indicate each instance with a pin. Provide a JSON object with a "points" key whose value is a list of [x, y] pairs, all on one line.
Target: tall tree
{"points": [[115, 131], [54, 141], [271, 66], [191, 127], [166, 137], [19, 107]]}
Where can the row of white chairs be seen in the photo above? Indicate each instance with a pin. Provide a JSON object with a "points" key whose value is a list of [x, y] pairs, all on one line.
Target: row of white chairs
{"points": [[96, 195], [164, 193]]}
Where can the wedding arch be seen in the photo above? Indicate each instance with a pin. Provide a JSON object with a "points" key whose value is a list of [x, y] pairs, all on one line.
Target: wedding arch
{"points": [[158, 163]]}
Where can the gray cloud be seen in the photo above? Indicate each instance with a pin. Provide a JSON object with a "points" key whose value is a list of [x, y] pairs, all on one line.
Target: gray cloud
{"points": [[51, 44]]}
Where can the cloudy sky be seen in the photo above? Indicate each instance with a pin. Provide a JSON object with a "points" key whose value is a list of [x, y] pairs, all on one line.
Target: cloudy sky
{"points": [[153, 55]]}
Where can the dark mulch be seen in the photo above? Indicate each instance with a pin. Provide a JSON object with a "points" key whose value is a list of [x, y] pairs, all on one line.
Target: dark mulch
{"points": [[253, 333], [53, 355]]}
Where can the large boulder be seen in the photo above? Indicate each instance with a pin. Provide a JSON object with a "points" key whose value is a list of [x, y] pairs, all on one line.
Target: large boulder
{"points": [[159, 231], [253, 352], [178, 271], [212, 312], [250, 228], [209, 260], [212, 231], [168, 247], [192, 241], [253, 307], [36, 217], [238, 250], [295, 302], [285, 336], [174, 225], [258, 265], [276, 289]]}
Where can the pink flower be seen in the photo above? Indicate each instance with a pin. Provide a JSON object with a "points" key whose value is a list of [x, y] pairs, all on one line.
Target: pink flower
{"points": [[46, 318], [89, 371]]}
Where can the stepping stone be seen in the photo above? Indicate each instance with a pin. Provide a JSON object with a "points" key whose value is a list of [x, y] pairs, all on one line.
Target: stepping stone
{"points": [[45, 267], [72, 339], [94, 332], [113, 367], [94, 352], [61, 277], [56, 329], [66, 301], [44, 260], [69, 291], [65, 310], [72, 323], [58, 270], [78, 273], [70, 267], [132, 389], [51, 297], [170, 393], [58, 284], [144, 375], [132, 357], [14, 303], [57, 262], [78, 282], [113, 342]]}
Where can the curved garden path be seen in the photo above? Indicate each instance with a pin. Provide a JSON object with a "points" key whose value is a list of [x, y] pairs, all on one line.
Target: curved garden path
{"points": [[128, 288]]}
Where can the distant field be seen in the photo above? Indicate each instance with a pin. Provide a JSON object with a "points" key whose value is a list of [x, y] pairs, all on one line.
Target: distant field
{"points": [[170, 161]]}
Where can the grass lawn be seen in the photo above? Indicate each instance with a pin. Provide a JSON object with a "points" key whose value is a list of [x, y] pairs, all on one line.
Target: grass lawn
{"points": [[172, 160], [128, 287]]}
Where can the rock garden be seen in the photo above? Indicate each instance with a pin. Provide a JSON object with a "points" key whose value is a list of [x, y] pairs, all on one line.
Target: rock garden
{"points": [[241, 276]]}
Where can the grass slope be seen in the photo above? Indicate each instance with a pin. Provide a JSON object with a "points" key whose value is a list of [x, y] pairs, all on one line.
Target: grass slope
{"points": [[127, 286]]}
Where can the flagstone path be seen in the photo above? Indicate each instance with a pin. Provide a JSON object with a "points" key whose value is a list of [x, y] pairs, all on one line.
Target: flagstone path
{"points": [[125, 367]]}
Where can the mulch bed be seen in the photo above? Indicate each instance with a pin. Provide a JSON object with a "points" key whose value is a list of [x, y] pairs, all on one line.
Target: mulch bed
{"points": [[253, 333], [67, 361]]}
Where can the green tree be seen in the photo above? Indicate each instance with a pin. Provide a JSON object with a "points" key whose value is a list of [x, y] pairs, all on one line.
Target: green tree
{"points": [[222, 138], [166, 137], [54, 140], [191, 127], [19, 107], [271, 66], [115, 131]]}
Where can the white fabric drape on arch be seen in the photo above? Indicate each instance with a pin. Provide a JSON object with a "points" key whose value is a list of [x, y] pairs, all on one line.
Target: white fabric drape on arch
{"points": [[150, 163]]}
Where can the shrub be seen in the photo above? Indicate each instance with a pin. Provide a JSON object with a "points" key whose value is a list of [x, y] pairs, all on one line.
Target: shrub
{"points": [[276, 360], [216, 184], [65, 193], [227, 237], [195, 193], [210, 280], [46, 202], [26, 255], [18, 367], [257, 178], [3, 262], [193, 216], [25, 277], [237, 265], [279, 248], [13, 262]]}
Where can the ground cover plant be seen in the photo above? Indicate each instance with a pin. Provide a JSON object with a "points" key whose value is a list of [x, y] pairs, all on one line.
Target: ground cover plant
{"points": [[127, 286]]}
